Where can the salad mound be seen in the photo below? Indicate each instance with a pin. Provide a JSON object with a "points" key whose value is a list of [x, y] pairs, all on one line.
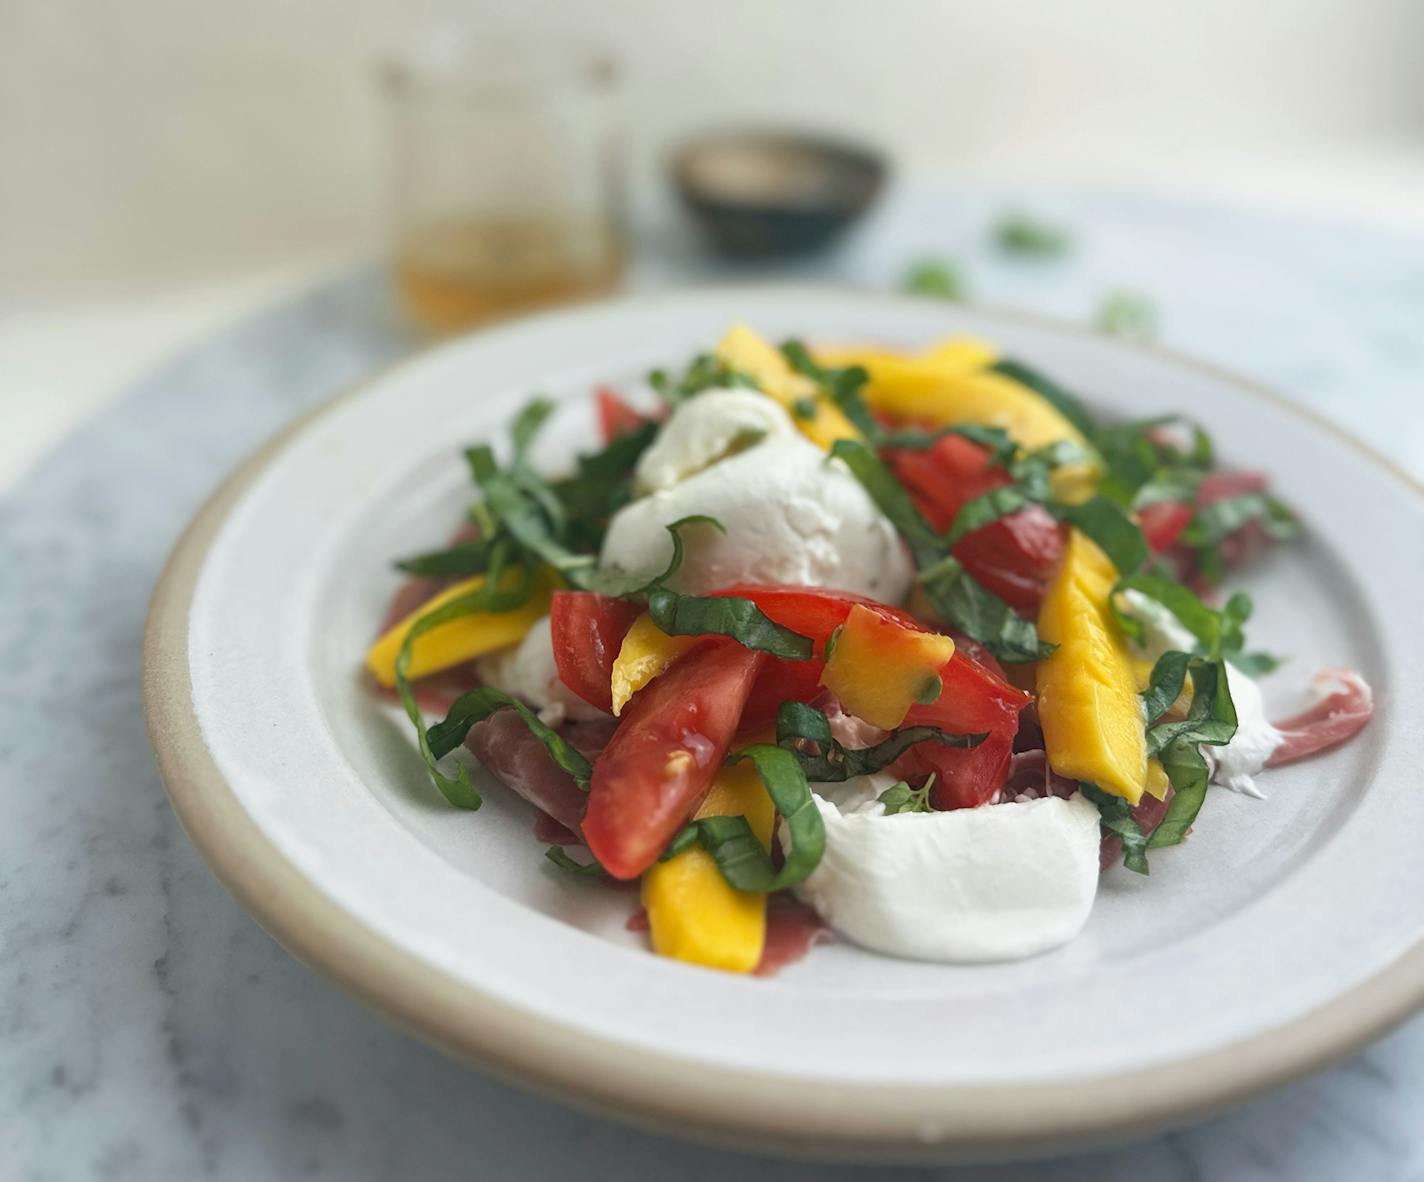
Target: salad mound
{"points": [[904, 645]]}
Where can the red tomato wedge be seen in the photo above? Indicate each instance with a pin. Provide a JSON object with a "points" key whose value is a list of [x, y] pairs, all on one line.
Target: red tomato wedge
{"points": [[1162, 523], [974, 701], [615, 417], [1012, 557], [587, 631], [661, 760]]}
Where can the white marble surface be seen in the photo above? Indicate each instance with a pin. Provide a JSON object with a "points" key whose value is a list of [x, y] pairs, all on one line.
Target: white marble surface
{"points": [[150, 1030]]}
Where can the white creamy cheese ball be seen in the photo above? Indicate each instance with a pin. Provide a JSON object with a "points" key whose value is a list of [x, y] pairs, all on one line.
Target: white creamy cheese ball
{"points": [[710, 427], [527, 670], [996, 882], [791, 515]]}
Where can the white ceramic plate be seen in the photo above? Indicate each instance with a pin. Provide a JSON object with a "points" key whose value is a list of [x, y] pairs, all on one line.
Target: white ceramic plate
{"points": [[1282, 934]]}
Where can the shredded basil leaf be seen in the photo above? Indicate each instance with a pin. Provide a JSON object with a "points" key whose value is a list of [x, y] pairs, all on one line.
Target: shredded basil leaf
{"points": [[841, 386], [612, 582], [478, 704], [705, 373], [1187, 770], [1212, 524], [1211, 718], [1019, 234], [985, 509], [559, 858], [1068, 405], [729, 615], [1127, 314], [1164, 687], [959, 599], [1117, 535], [940, 279], [462, 559], [891, 499], [527, 423], [459, 790], [524, 515], [798, 723], [1115, 815], [995, 440], [1217, 632], [742, 859]]}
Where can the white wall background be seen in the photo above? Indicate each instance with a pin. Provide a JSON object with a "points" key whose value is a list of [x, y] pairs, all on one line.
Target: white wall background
{"points": [[180, 138]]}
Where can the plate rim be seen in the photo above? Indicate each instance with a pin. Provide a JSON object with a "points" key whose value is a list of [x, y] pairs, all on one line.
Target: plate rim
{"points": [[656, 1089]]}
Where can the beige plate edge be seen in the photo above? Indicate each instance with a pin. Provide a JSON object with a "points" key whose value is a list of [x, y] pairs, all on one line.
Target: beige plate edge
{"points": [[660, 1091]]}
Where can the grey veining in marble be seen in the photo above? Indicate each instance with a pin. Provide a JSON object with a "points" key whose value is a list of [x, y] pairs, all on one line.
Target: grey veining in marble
{"points": [[150, 1030]]}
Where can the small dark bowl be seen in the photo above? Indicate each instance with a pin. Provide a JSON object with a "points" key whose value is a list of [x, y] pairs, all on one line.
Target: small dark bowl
{"points": [[761, 194]]}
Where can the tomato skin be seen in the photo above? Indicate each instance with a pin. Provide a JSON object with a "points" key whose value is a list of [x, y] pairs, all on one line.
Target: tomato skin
{"points": [[1012, 557], [943, 476], [661, 760], [1162, 523], [813, 611], [779, 682], [963, 779], [615, 417], [588, 630], [974, 701]]}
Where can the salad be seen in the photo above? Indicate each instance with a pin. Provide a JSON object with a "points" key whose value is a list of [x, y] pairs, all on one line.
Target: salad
{"points": [[904, 647]]}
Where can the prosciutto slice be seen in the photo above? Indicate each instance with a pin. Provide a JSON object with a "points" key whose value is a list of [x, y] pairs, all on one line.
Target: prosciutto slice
{"points": [[1343, 704], [1030, 778], [503, 744]]}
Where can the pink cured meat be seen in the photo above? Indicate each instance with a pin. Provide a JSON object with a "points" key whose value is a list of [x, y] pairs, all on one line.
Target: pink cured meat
{"points": [[1148, 814], [1343, 705], [1031, 778], [503, 744], [418, 589]]}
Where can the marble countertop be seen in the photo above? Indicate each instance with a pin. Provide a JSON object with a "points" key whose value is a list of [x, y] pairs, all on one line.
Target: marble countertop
{"points": [[150, 1030]]}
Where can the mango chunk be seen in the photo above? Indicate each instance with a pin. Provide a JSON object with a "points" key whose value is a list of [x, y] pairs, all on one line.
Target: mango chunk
{"points": [[966, 354], [957, 354], [694, 914], [1087, 688], [879, 669], [815, 415], [1157, 782], [645, 653], [462, 639]]}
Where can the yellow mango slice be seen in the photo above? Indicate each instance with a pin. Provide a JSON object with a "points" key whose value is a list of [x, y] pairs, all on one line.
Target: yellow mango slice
{"points": [[645, 653], [1157, 782], [965, 354], [1087, 688], [462, 639], [879, 669], [694, 914], [748, 353], [959, 354]]}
